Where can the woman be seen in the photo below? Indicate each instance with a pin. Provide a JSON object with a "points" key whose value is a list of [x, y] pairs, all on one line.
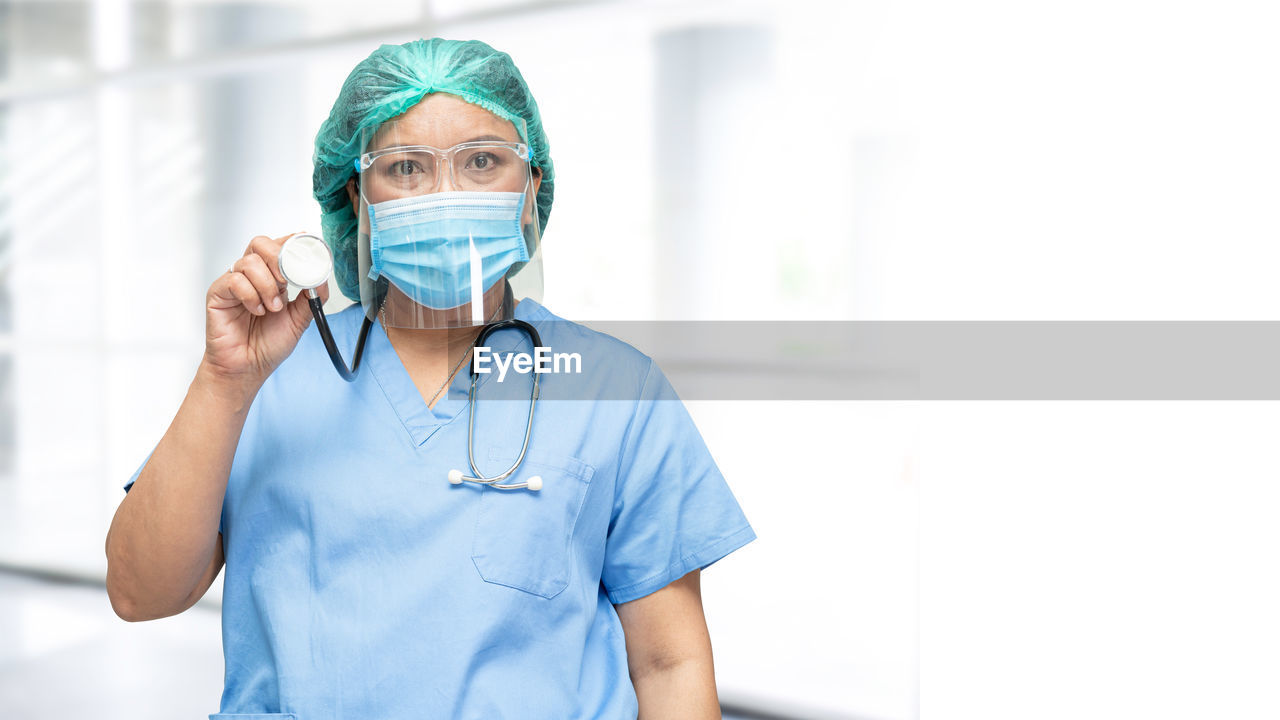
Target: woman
{"points": [[364, 577]]}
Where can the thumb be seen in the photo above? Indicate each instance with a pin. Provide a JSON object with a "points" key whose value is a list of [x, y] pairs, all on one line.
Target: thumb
{"points": [[300, 307], [300, 311]]}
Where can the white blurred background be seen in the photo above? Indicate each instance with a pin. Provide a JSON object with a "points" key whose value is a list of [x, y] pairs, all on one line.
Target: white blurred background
{"points": [[780, 160]]}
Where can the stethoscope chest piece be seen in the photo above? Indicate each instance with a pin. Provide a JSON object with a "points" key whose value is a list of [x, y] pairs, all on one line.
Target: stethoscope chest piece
{"points": [[305, 261]]}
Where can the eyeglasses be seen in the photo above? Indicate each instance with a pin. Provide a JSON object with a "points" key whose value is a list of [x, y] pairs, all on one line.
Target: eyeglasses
{"points": [[473, 166]]}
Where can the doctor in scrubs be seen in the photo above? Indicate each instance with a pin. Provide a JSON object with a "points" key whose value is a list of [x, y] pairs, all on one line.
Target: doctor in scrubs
{"points": [[362, 579]]}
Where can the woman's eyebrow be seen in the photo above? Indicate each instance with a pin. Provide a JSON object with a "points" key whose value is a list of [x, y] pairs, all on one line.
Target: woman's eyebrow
{"points": [[481, 138]]}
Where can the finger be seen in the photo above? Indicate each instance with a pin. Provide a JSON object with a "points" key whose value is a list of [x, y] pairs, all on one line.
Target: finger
{"points": [[269, 249], [301, 305], [220, 295], [300, 309], [254, 267], [258, 241], [246, 293], [322, 292]]}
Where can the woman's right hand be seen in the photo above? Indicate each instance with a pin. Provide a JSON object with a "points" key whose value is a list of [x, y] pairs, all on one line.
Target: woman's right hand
{"points": [[250, 325]]}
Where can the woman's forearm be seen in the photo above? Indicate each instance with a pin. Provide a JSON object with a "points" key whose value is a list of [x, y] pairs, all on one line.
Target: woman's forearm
{"points": [[163, 538], [669, 652], [686, 690]]}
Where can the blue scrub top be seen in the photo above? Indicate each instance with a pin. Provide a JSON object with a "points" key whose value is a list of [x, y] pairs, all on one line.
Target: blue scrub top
{"points": [[360, 583]]}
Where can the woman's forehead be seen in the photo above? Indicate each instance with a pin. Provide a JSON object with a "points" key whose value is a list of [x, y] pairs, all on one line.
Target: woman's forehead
{"points": [[442, 120]]}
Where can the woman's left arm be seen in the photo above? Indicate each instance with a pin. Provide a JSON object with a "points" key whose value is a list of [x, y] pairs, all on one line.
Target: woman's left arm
{"points": [[669, 652]]}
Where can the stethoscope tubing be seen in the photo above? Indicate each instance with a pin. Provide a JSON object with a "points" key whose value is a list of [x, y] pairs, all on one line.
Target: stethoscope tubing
{"points": [[335, 355], [534, 483]]}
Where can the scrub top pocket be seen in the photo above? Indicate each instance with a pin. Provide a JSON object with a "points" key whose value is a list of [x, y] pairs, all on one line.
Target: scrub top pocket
{"points": [[522, 537], [253, 716]]}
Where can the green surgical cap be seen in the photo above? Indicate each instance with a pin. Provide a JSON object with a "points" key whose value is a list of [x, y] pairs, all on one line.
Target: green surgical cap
{"points": [[386, 84]]}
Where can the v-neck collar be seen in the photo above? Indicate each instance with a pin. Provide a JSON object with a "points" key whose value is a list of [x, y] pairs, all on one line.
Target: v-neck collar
{"points": [[420, 421]]}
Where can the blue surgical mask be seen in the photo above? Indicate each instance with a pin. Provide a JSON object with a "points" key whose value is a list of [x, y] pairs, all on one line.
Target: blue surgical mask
{"points": [[435, 247]]}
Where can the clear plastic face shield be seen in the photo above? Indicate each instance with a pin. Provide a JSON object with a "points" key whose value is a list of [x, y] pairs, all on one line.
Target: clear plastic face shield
{"points": [[448, 233]]}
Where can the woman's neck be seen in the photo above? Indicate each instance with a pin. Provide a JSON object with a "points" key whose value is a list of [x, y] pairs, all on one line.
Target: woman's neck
{"points": [[432, 357], [431, 343]]}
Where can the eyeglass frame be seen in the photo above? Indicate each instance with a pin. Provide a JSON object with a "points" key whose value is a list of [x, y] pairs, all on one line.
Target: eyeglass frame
{"points": [[366, 160]]}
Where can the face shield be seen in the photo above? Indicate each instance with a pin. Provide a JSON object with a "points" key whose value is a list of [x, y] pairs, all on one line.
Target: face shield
{"points": [[448, 233]]}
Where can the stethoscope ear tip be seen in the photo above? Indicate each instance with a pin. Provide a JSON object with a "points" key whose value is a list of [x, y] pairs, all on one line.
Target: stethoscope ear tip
{"points": [[455, 477], [535, 483]]}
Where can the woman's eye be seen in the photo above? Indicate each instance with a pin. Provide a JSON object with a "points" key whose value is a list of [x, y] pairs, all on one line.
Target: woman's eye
{"points": [[405, 167], [482, 161]]}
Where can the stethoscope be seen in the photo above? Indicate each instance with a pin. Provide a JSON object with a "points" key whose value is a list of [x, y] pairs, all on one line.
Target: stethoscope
{"points": [[305, 261]]}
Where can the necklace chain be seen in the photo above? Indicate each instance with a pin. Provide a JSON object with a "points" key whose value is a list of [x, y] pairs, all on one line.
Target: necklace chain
{"points": [[445, 384], [383, 312]]}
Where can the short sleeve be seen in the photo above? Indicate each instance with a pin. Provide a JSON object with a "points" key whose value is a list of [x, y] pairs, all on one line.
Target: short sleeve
{"points": [[134, 477], [673, 512]]}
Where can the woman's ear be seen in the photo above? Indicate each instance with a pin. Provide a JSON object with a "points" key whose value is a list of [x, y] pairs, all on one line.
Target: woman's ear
{"points": [[353, 193]]}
